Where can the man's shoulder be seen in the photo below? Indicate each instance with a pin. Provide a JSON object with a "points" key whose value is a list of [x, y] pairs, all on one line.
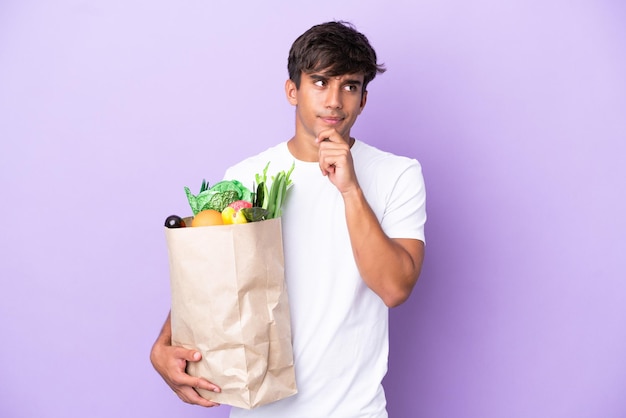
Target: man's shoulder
{"points": [[370, 157]]}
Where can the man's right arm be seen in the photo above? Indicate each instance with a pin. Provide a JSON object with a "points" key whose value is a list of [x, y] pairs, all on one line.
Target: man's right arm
{"points": [[170, 362]]}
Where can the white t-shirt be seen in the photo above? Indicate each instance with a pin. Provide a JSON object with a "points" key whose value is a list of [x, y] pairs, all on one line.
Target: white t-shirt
{"points": [[339, 325]]}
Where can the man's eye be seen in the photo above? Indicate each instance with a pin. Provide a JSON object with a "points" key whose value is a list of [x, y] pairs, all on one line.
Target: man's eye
{"points": [[351, 87], [319, 83]]}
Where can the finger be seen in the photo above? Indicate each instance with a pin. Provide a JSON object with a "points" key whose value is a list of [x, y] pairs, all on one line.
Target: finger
{"points": [[187, 354], [330, 159], [333, 150], [189, 395], [326, 165], [202, 383], [182, 379], [328, 135], [179, 376]]}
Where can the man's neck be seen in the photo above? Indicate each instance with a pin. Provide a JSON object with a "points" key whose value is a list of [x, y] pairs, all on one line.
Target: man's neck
{"points": [[307, 150], [303, 150]]}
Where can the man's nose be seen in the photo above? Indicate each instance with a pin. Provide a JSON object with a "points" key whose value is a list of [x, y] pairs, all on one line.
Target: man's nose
{"points": [[333, 99]]}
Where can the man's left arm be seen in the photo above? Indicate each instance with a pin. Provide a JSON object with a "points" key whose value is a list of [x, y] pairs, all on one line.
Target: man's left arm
{"points": [[390, 267]]}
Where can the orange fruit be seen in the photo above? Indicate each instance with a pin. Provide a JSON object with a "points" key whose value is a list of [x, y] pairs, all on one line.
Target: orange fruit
{"points": [[207, 217]]}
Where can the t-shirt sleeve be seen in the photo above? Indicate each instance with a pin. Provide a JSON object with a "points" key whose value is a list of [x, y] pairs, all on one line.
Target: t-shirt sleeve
{"points": [[405, 212], [230, 174], [243, 172]]}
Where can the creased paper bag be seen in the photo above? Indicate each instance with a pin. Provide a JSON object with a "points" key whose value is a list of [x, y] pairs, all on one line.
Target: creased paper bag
{"points": [[229, 301]]}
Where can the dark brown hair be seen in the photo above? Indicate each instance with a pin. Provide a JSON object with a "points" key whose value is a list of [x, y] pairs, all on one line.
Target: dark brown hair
{"points": [[334, 48]]}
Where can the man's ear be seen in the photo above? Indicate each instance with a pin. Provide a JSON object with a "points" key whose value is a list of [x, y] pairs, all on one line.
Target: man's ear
{"points": [[363, 101], [290, 91]]}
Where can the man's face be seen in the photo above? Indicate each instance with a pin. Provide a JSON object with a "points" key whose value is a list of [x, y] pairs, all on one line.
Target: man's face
{"points": [[326, 102]]}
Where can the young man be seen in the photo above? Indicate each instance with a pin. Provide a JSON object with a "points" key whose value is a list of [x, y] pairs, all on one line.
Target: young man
{"points": [[353, 227]]}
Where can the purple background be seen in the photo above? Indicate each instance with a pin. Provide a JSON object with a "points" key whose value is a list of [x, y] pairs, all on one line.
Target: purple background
{"points": [[516, 110]]}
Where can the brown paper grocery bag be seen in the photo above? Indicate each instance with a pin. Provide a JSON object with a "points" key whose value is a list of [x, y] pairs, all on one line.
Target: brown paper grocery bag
{"points": [[229, 301]]}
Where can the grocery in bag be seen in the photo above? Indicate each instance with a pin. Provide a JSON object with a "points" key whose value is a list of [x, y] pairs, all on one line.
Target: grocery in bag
{"points": [[228, 290]]}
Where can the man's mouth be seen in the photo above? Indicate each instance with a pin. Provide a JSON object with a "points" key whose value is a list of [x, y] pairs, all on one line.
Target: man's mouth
{"points": [[331, 120]]}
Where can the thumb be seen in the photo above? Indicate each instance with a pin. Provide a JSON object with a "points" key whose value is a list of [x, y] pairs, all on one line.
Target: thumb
{"points": [[188, 355], [194, 355]]}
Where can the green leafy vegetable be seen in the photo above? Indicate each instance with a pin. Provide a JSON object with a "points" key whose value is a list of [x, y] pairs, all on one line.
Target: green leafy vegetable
{"points": [[266, 202], [274, 198], [218, 196]]}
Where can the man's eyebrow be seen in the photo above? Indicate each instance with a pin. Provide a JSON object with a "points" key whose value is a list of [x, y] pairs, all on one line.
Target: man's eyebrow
{"points": [[322, 77], [353, 81]]}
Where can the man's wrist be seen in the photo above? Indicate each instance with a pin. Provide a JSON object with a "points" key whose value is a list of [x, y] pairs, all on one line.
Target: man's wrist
{"points": [[354, 198]]}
